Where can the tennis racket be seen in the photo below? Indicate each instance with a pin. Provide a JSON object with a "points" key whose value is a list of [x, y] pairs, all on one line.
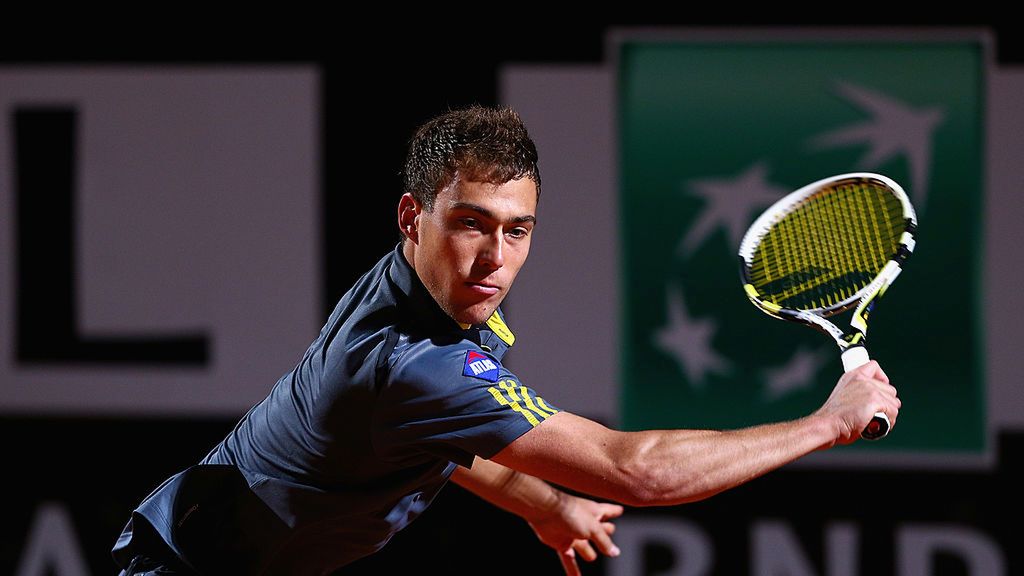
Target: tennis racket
{"points": [[831, 246]]}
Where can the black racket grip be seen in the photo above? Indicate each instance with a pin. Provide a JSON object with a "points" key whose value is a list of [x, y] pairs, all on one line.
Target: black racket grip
{"points": [[877, 428]]}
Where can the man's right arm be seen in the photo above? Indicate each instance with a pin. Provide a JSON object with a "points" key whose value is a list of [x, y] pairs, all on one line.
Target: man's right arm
{"points": [[667, 467]]}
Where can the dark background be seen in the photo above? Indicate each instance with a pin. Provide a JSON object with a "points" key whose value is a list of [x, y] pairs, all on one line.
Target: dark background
{"points": [[380, 79], [382, 76]]}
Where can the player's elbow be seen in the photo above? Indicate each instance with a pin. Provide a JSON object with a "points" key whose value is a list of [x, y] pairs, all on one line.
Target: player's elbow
{"points": [[647, 480], [642, 483]]}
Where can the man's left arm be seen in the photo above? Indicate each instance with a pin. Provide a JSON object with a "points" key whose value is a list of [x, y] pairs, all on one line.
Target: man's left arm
{"points": [[566, 523]]}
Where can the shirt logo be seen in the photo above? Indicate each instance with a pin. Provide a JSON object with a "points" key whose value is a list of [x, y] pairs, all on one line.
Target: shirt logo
{"points": [[480, 366]]}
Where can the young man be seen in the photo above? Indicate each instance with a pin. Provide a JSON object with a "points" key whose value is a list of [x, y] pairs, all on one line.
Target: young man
{"points": [[404, 389]]}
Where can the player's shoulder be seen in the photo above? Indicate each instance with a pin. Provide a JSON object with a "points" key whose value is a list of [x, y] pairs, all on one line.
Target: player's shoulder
{"points": [[444, 360], [412, 352]]}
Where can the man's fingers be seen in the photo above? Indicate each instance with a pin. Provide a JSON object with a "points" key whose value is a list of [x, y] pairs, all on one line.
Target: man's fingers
{"points": [[611, 511], [584, 549], [892, 403], [880, 374], [604, 543], [568, 558], [609, 528], [874, 371]]}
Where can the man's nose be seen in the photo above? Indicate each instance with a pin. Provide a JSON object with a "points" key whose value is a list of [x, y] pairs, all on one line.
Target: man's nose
{"points": [[492, 253]]}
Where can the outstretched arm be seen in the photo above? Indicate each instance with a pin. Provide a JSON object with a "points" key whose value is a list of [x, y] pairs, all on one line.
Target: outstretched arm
{"points": [[666, 467], [562, 521]]}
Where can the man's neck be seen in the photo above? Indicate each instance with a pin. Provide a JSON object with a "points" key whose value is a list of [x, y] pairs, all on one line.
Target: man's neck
{"points": [[409, 252]]}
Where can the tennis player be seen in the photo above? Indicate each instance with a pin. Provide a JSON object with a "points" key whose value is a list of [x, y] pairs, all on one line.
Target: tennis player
{"points": [[404, 389]]}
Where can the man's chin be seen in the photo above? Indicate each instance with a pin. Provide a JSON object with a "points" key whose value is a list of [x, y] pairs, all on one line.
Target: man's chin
{"points": [[472, 319], [477, 314]]}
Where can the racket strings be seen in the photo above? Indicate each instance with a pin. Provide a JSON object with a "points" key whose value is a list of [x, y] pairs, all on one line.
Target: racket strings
{"points": [[828, 247]]}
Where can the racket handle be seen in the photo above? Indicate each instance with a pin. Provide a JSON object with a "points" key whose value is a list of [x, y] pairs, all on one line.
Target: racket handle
{"points": [[855, 357]]}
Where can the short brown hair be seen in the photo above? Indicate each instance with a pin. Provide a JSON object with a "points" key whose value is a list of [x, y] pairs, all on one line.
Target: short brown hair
{"points": [[478, 143]]}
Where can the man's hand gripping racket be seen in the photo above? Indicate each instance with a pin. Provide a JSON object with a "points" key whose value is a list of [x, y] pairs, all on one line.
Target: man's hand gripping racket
{"points": [[831, 246]]}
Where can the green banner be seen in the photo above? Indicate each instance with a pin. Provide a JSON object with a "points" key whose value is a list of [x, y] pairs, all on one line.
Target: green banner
{"points": [[710, 134]]}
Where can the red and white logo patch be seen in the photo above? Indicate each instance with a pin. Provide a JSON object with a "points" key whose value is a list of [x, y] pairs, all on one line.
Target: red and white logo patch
{"points": [[480, 366]]}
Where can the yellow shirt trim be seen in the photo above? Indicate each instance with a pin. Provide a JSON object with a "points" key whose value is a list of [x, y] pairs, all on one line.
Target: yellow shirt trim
{"points": [[497, 325]]}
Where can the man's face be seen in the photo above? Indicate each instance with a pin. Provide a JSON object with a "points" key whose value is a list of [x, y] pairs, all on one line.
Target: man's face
{"points": [[469, 248]]}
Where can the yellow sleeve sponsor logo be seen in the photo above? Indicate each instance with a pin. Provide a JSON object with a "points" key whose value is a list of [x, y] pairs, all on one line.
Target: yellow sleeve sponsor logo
{"points": [[517, 397]]}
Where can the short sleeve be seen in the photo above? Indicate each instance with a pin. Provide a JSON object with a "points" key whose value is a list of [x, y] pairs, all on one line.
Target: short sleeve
{"points": [[453, 402]]}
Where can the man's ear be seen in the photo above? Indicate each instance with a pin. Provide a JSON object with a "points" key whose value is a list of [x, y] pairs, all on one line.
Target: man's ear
{"points": [[408, 217]]}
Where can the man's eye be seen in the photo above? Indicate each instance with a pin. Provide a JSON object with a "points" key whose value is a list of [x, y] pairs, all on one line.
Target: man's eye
{"points": [[518, 233], [470, 223]]}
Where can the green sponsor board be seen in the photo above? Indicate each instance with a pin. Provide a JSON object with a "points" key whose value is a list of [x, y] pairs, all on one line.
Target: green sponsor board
{"points": [[710, 134]]}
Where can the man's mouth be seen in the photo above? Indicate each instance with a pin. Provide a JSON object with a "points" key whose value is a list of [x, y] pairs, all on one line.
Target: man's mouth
{"points": [[483, 288]]}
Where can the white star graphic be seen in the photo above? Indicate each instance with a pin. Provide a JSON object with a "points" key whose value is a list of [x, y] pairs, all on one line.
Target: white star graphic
{"points": [[688, 342], [729, 203], [894, 128], [796, 374]]}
